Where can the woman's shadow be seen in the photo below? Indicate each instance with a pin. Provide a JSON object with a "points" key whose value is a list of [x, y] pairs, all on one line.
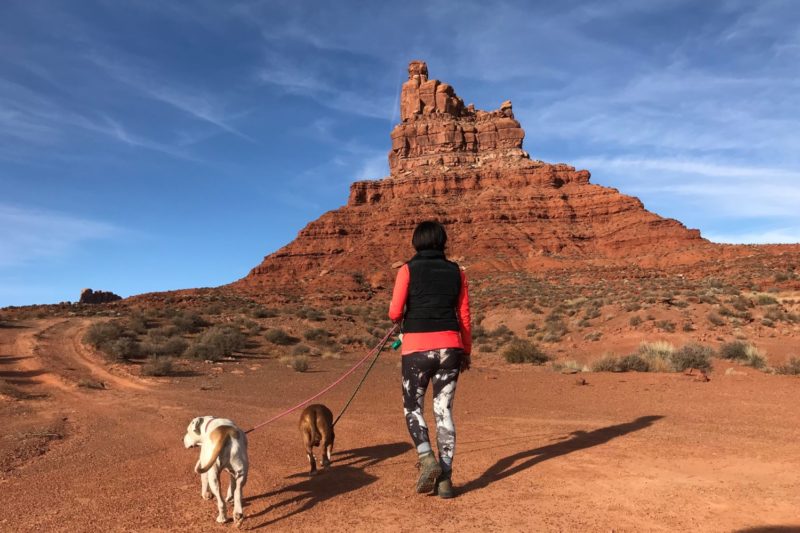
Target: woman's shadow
{"points": [[578, 440], [345, 475]]}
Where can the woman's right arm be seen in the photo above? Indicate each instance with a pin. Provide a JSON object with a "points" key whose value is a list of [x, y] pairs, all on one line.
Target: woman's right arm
{"points": [[399, 295]]}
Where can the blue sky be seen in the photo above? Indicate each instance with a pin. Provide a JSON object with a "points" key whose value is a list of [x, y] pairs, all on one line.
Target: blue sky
{"points": [[149, 145]]}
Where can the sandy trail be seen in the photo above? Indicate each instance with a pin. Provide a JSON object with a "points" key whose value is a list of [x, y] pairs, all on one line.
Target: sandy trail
{"points": [[536, 451]]}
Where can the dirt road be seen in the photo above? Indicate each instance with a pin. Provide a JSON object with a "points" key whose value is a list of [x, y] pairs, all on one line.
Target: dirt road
{"points": [[536, 451]]}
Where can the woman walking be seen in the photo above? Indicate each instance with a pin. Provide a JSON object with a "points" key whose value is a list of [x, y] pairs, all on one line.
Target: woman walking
{"points": [[431, 298]]}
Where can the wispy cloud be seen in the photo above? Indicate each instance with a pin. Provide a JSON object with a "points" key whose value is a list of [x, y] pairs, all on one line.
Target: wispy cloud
{"points": [[734, 199], [35, 235], [320, 84], [64, 80], [116, 130], [297, 200], [687, 166], [722, 189], [357, 160], [373, 168], [28, 119], [352, 160], [739, 199], [675, 109], [194, 102]]}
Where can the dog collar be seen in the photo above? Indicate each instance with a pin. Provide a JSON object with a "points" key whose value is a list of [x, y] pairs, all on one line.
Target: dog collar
{"points": [[205, 429]]}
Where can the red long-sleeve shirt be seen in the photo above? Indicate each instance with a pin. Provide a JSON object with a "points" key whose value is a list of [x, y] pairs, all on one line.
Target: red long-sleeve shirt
{"points": [[419, 342]]}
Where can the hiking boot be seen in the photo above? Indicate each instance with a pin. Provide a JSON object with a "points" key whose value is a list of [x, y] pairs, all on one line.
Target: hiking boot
{"points": [[429, 471], [444, 487]]}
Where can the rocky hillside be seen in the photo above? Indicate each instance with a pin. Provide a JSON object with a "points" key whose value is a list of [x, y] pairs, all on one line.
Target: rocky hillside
{"points": [[504, 210]]}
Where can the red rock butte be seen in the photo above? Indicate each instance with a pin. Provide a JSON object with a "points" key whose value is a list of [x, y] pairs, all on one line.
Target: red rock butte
{"points": [[503, 210]]}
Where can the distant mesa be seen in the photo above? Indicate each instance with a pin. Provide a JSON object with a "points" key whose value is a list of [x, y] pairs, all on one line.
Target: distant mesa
{"points": [[504, 211], [88, 296]]}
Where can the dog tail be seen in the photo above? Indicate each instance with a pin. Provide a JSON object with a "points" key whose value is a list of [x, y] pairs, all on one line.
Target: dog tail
{"points": [[315, 436], [219, 437]]}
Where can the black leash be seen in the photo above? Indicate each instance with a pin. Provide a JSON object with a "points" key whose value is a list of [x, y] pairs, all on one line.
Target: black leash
{"points": [[363, 379], [377, 351]]}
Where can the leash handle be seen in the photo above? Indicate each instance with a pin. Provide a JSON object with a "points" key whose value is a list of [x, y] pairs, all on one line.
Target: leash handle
{"points": [[377, 348]]}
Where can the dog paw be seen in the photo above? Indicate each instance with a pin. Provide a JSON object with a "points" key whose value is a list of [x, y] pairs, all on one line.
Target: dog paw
{"points": [[206, 495], [238, 518], [221, 519]]}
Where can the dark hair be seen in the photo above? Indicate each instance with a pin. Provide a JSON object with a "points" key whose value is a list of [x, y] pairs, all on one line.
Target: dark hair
{"points": [[429, 235]]}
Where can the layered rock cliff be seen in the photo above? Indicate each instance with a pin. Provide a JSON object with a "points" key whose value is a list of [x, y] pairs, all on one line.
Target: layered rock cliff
{"points": [[502, 209]]}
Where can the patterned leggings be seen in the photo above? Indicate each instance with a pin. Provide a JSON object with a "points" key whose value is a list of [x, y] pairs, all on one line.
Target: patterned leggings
{"points": [[418, 368]]}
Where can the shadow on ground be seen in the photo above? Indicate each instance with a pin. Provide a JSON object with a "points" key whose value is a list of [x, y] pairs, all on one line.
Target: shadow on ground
{"points": [[345, 475], [769, 529], [20, 374], [579, 440], [19, 377], [9, 359]]}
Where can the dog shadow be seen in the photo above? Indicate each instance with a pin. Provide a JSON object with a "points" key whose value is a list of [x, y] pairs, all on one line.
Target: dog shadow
{"points": [[578, 440], [346, 474]]}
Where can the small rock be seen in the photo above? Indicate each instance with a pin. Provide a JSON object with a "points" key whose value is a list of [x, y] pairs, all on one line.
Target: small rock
{"points": [[698, 375]]}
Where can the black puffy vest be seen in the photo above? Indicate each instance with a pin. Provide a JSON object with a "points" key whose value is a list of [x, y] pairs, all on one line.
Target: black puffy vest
{"points": [[433, 289]]}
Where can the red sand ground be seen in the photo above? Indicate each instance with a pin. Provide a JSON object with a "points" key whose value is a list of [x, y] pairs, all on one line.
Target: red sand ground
{"points": [[536, 451]]}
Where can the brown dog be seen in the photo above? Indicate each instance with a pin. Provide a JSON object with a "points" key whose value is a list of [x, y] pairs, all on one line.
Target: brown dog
{"points": [[316, 425]]}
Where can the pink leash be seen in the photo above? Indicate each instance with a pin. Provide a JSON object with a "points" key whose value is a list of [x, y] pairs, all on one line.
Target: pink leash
{"points": [[332, 385]]}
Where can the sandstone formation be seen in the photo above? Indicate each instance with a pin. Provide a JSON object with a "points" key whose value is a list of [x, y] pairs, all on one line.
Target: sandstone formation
{"points": [[88, 296], [437, 130], [503, 210]]}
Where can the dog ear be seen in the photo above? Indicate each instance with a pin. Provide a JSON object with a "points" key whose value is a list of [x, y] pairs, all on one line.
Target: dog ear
{"points": [[198, 422]]}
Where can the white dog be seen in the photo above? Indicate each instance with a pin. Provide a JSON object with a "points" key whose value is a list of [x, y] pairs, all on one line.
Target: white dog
{"points": [[223, 446]]}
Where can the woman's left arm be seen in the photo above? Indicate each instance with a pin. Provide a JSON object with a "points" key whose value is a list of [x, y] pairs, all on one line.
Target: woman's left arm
{"points": [[399, 295], [464, 318]]}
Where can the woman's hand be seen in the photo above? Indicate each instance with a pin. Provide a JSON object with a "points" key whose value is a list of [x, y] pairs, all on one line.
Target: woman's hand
{"points": [[466, 362]]}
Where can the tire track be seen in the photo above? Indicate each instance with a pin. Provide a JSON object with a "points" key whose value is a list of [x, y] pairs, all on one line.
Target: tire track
{"points": [[92, 362], [24, 352]]}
